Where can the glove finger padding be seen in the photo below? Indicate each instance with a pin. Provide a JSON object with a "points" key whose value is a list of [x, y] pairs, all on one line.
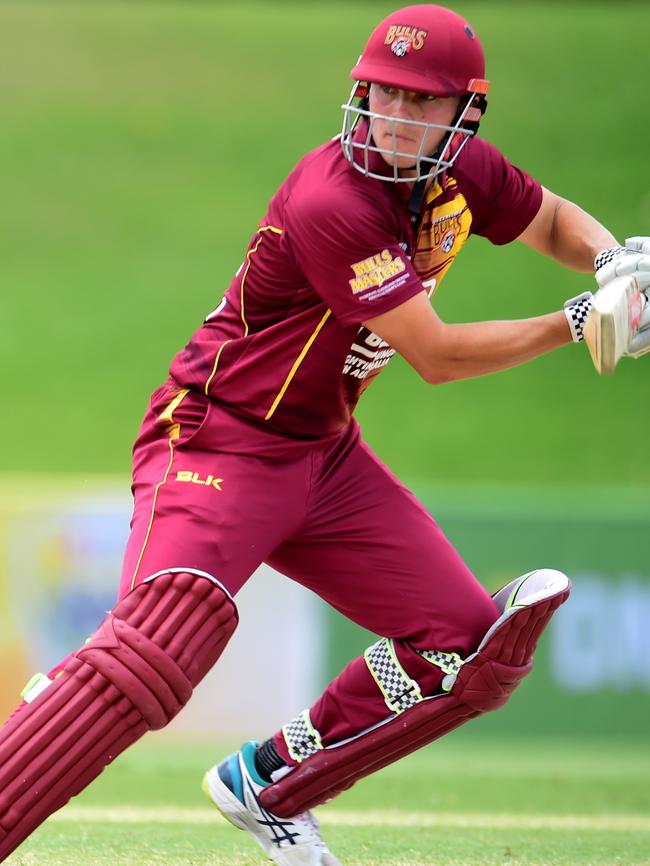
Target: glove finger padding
{"points": [[633, 258], [628, 264], [638, 245], [640, 344]]}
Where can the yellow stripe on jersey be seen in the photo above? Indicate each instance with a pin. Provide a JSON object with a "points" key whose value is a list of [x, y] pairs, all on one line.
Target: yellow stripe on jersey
{"points": [[296, 364], [216, 364], [276, 231]]}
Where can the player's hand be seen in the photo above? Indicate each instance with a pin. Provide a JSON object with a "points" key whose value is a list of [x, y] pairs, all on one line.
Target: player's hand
{"points": [[631, 260], [640, 343], [618, 324]]}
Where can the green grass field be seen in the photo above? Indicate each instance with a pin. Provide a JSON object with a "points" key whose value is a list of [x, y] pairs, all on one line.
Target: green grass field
{"points": [[140, 143], [464, 801]]}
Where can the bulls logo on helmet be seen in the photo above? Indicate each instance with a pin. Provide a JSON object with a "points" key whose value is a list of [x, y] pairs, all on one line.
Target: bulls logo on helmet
{"points": [[401, 47]]}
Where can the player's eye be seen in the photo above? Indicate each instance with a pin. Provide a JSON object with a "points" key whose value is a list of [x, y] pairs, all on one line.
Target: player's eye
{"points": [[388, 91]]}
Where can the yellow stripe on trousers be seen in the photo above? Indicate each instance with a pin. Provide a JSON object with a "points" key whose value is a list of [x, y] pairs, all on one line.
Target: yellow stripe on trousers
{"points": [[174, 429]]}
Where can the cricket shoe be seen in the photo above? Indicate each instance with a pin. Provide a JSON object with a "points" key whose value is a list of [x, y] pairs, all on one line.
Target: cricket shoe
{"points": [[234, 786]]}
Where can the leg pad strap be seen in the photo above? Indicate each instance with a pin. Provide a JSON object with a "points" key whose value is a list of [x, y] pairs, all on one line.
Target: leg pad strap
{"points": [[485, 682], [135, 674]]}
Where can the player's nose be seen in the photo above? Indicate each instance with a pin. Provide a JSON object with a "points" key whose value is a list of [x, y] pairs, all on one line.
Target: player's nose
{"points": [[403, 107]]}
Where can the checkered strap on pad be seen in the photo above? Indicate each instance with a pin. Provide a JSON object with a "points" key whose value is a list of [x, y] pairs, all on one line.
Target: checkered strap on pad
{"points": [[449, 663], [399, 690], [485, 681], [301, 737]]}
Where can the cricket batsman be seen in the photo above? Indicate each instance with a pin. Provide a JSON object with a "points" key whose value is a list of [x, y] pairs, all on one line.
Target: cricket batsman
{"points": [[250, 453]]}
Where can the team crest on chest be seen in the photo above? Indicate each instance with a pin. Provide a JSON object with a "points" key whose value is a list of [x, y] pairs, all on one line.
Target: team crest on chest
{"points": [[444, 229], [447, 243]]}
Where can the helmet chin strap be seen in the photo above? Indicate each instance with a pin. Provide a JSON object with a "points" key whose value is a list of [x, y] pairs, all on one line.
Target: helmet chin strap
{"points": [[417, 197], [420, 186]]}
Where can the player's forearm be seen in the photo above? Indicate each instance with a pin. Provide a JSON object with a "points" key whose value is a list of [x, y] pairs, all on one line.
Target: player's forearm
{"points": [[576, 237], [469, 350]]}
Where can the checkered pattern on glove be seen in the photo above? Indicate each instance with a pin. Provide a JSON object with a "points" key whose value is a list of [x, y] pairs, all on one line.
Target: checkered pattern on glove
{"points": [[604, 257], [631, 260], [577, 312]]}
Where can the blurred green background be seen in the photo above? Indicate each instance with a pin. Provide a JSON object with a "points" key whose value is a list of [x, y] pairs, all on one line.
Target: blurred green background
{"points": [[140, 143]]}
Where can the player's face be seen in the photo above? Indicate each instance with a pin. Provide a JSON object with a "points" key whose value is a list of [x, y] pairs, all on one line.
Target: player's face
{"points": [[407, 105]]}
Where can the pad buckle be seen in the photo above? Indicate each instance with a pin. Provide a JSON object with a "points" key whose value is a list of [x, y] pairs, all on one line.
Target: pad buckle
{"points": [[408, 698]]}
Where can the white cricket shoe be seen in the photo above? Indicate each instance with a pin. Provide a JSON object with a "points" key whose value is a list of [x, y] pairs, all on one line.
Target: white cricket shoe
{"points": [[233, 786]]}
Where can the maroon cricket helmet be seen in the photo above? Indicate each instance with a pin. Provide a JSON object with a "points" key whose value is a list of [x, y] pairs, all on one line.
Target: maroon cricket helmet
{"points": [[424, 48]]}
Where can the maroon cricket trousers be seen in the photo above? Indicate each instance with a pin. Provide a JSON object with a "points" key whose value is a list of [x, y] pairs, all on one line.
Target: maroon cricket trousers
{"points": [[217, 494]]}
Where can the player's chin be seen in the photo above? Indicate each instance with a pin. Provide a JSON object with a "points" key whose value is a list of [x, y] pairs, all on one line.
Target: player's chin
{"points": [[401, 161]]}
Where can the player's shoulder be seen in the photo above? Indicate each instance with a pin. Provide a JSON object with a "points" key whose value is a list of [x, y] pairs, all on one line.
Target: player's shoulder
{"points": [[482, 172], [502, 197], [478, 161], [324, 188]]}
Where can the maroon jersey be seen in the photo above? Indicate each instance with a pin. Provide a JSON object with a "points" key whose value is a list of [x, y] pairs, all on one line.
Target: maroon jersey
{"points": [[286, 347]]}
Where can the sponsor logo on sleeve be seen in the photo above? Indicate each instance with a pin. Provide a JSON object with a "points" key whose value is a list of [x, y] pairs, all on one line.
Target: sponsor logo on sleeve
{"points": [[373, 272]]}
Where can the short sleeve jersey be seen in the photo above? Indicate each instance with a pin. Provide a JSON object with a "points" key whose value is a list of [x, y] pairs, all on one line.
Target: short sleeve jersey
{"points": [[286, 348]]}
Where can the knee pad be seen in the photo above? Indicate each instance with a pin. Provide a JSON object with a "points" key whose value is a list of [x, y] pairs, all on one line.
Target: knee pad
{"points": [[135, 674], [482, 682]]}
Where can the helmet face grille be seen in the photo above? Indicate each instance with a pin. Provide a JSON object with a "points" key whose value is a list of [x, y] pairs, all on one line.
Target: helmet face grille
{"points": [[359, 147]]}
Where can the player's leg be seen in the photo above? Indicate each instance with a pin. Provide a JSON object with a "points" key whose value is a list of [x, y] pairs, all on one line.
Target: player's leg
{"points": [[194, 542], [481, 682], [202, 498], [375, 554]]}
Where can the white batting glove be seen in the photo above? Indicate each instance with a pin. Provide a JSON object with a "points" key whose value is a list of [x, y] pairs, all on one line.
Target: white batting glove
{"points": [[640, 343], [632, 259]]}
